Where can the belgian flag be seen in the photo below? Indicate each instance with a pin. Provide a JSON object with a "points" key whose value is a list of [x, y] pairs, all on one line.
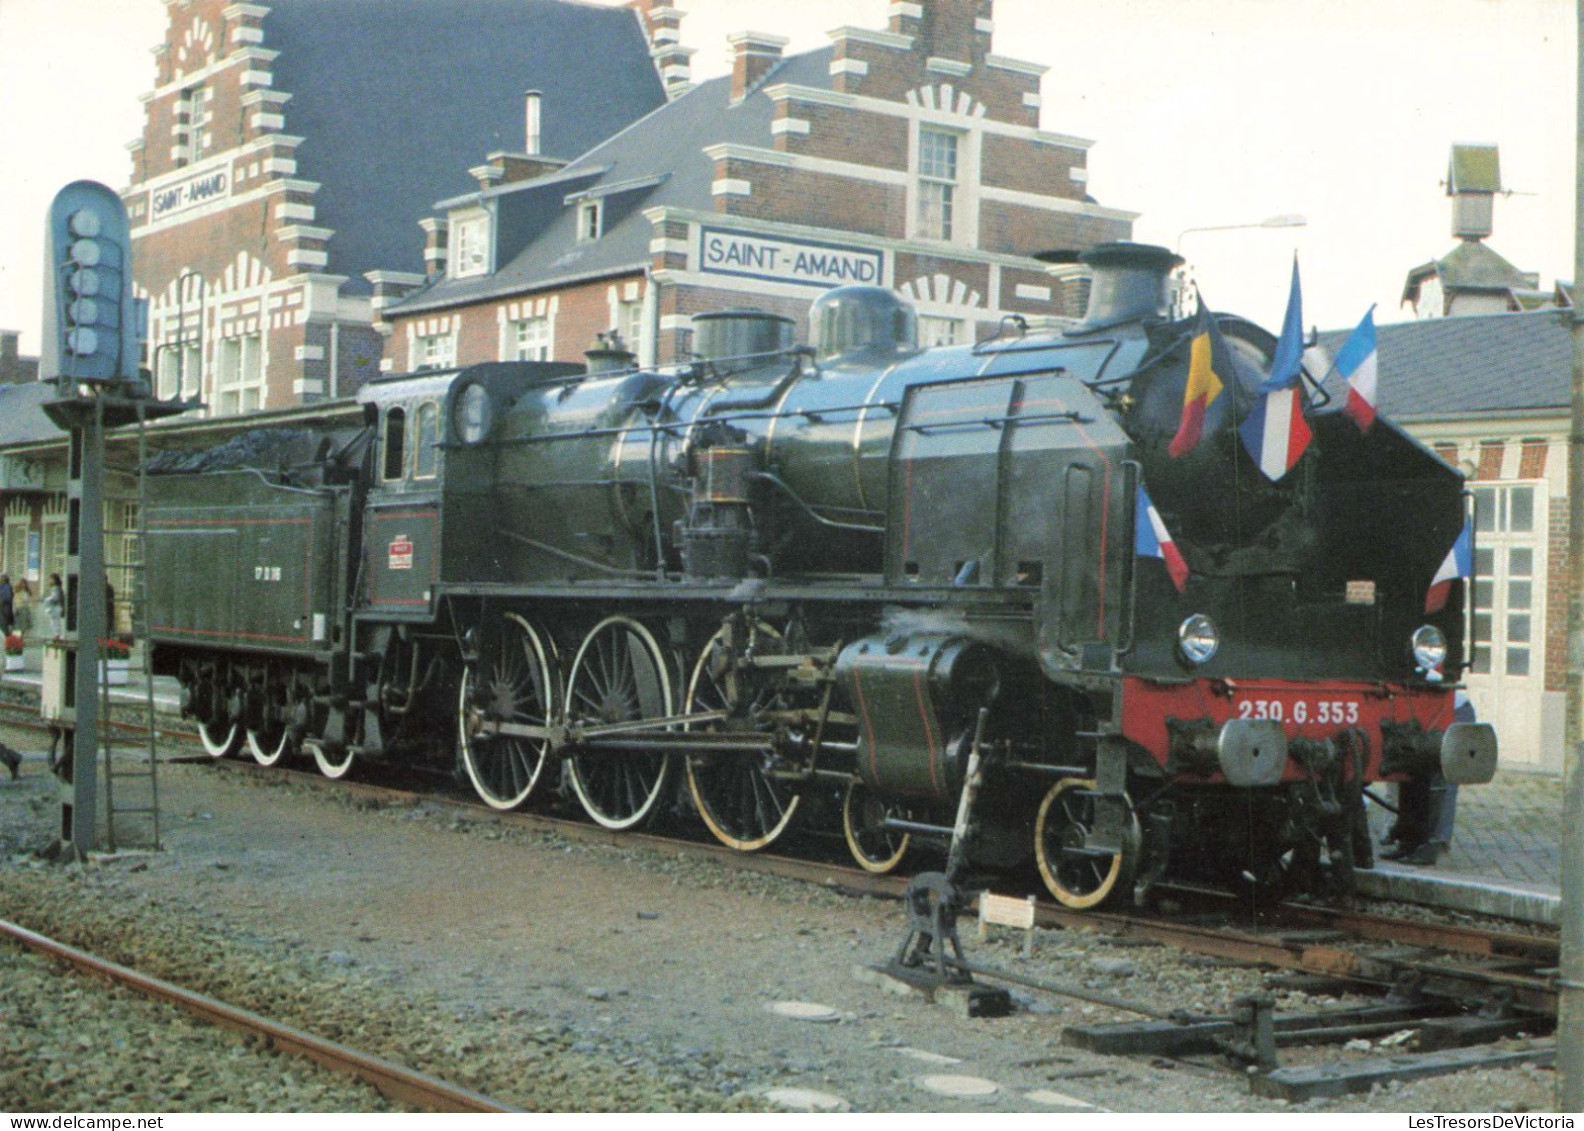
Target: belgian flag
{"points": [[1209, 369]]}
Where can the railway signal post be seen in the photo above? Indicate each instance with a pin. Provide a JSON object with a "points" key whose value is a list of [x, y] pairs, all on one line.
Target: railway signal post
{"points": [[92, 351]]}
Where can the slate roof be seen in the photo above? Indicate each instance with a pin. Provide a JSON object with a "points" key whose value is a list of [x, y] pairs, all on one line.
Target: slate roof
{"points": [[658, 161], [1466, 366], [397, 99], [1471, 266], [22, 419]]}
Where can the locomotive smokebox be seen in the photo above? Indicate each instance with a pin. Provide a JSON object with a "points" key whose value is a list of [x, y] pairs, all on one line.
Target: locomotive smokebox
{"points": [[1129, 283]]}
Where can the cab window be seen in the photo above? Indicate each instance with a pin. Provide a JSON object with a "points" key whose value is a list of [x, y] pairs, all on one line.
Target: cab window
{"points": [[426, 434], [395, 443]]}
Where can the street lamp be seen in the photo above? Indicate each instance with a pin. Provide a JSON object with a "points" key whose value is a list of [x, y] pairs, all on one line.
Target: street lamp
{"points": [[1184, 283], [1285, 220]]}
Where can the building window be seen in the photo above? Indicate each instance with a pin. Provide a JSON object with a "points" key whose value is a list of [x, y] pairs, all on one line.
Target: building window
{"points": [[470, 244], [531, 339], [197, 105], [239, 375], [434, 351], [939, 331], [395, 443], [1506, 605], [590, 220], [630, 324], [180, 370], [937, 183], [426, 456]]}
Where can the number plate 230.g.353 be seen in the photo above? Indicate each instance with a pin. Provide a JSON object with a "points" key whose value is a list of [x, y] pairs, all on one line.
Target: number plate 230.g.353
{"points": [[1301, 710]]}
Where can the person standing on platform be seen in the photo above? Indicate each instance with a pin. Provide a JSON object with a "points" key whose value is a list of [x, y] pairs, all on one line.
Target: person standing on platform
{"points": [[55, 606], [7, 605]]}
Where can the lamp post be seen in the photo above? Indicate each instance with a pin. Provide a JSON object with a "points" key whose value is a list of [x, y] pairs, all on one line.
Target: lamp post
{"points": [[1281, 220], [1284, 220]]}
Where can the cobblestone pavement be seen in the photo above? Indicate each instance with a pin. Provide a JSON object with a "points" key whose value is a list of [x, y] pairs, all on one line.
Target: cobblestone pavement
{"points": [[1508, 831]]}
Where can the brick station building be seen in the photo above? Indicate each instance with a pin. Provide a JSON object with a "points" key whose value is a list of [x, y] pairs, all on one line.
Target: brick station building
{"points": [[910, 157], [289, 148]]}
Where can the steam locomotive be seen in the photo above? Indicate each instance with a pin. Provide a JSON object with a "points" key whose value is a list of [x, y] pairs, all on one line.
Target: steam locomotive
{"points": [[809, 578]]}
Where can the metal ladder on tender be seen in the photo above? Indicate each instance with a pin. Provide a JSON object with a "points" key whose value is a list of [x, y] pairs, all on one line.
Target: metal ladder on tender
{"points": [[131, 767]]}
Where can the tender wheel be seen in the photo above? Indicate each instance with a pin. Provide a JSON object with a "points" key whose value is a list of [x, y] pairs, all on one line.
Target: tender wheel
{"points": [[334, 760], [742, 804], [1078, 876], [618, 675], [219, 739], [511, 683], [269, 745], [876, 848]]}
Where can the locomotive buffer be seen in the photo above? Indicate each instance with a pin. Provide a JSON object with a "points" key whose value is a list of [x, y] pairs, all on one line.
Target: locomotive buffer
{"points": [[91, 349]]}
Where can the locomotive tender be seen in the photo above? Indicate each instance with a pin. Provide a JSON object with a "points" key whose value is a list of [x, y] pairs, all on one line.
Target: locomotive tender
{"points": [[805, 576]]}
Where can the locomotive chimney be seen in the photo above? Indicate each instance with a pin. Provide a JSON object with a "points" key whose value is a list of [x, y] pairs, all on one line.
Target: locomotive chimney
{"points": [[1129, 282]]}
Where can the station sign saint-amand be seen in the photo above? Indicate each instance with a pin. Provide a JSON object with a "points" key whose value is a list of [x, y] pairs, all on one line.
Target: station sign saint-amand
{"points": [[208, 184], [812, 263]]}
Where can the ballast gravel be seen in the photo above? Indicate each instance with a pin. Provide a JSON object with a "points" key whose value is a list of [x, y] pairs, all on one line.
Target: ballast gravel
{"points": [[562, 974]]}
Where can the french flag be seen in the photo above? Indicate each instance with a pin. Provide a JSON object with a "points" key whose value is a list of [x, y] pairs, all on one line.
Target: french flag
{"points": [[1152, 540], [1275, 433], [1356, 361], [1459, 565]]}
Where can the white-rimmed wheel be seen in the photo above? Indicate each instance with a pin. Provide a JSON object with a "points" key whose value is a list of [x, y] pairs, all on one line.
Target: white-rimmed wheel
{"points": [[511, 682], [618, 675], [1078, 875], [219, 740], [269, 744], [743, 805], [333, 758], [864, 812]]}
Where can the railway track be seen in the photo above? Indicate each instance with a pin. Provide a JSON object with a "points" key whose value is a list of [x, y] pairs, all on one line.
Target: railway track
{"points": [[392, 1080], [1454, 984]]}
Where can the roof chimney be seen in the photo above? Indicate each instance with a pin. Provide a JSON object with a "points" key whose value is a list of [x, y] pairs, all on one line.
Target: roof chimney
{"points": [[953, 30], [662, 25], [1473, 180], [754, 55], [531, 123]]}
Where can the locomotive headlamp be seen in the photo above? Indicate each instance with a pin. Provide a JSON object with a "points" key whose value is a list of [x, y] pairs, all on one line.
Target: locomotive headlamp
{"points": [[1198, 638], [472, 414], [1429, 647]]}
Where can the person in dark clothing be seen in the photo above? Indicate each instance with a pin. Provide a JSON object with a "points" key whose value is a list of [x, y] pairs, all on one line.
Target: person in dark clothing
{"points": [[1427, 808], [7, 605], [12, 760]]}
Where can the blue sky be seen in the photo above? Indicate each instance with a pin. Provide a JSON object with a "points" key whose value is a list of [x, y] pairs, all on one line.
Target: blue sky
{"points": [[1203, 113]]}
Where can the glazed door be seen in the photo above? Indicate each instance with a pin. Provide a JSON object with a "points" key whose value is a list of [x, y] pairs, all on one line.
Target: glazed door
{"points": [[1507, 679]]}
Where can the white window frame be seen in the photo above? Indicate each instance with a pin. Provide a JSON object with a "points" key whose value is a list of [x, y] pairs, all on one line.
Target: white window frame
{"points": [[470, 245], [940, 330], [531, 339], [590, 221], [939, 223], [239, 375], [434, 351], [630, 324], [198, 103]]}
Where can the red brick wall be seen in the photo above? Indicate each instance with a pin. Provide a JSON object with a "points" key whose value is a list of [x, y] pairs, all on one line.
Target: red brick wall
{"points": [[818, 199], [847, 135], [1016, 229], [1010, 163]]}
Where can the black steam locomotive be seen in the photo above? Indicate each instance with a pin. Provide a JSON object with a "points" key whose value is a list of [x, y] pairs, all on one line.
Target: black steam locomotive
{"points": [[809, 577]]}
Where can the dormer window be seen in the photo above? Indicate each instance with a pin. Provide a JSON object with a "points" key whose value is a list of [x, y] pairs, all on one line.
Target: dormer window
{"points": [[470, 246], [591, 220]]}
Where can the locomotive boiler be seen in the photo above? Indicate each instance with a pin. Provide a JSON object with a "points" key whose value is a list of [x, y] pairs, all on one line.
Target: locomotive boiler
{"points": [[803, 579]]}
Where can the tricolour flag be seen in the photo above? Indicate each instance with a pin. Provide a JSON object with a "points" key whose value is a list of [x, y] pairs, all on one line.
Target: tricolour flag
{"points": [[1459, 565], [1356, 361], [1152, 540], [1275, 433], [1209, 368]]}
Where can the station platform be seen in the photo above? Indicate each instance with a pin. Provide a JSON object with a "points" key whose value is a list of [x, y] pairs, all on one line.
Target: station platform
{"points": [[1505, 859]]}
